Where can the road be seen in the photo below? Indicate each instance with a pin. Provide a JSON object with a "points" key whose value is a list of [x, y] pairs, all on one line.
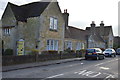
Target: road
{"points": [[107, 68]]}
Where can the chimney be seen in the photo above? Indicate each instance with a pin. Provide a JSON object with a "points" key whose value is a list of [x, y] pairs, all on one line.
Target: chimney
{"points": [[102, 28], [102, 23], [92, 28], [66, 17]]}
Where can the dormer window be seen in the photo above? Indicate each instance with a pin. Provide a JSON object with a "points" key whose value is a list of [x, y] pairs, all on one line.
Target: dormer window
{"points": [[53, 23]]}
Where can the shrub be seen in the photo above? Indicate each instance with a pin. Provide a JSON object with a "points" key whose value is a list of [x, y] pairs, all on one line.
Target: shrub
{"points": [[83, 51], [49, 52], [8, 52], [52, 52], [68, 51], [30, 53]]}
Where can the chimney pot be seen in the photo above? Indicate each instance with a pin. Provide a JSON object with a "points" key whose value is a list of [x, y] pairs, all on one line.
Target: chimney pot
{"points": [[93, 22], [101, 21], [66, 10]]}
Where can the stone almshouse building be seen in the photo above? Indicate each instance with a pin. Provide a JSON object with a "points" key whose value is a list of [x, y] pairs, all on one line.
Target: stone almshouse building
{"points": [[42, 26], [38, 25]]}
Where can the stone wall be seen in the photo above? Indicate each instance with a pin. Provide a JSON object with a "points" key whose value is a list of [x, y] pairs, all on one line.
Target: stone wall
{"points": [[74, 43], [8, 20], [52, 10], [13, 60]]}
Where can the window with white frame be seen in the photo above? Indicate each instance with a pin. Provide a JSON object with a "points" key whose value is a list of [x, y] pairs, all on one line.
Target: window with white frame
{"points": [[69, 45], [78, 46], [52, 45], [7, 31], [53, 23], [83, 45]]}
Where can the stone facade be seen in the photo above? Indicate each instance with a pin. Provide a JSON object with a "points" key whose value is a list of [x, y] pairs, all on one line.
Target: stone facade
{"points": [[45, 33], [34, 32], [102, 35], [25, 32], [75, 43]]}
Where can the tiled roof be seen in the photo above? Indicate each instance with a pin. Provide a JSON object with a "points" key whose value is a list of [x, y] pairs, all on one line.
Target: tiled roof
{"points": [[75, 33], [28, 10], [97, 30]]}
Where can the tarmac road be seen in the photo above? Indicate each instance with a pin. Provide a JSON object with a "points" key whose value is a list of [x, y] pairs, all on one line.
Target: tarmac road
{"points": [[107, 68]]}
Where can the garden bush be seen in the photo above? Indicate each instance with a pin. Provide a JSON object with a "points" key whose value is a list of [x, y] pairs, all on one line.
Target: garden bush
{"points": [[8, 52]]}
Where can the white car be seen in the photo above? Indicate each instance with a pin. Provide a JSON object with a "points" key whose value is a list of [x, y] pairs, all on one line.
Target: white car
{"points": [[110, 52]]}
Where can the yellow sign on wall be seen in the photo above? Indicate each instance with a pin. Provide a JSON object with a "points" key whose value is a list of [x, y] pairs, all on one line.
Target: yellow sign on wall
{"points": [[20, 47]]}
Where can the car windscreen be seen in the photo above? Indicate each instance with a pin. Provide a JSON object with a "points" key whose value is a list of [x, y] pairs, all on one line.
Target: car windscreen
{"points": [[118, 50], [90, 50], [97, 50], [108, 50]]}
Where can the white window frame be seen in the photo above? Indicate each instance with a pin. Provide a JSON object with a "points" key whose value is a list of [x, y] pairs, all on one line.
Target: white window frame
{"points": [[7, 31], [69, 44], [78, 46], [52, 45], [53, 23]]}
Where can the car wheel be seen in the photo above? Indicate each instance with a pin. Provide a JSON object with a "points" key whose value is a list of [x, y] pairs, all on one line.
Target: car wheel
{"points": [[97, 58], [103, 57], [114, 55]]}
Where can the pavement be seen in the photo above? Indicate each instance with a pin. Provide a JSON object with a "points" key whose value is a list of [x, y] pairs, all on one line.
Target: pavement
{"points": [[37, 64]]}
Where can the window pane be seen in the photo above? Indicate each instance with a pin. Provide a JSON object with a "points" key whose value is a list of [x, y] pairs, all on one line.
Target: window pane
{"points": [[56, 45], [48, 45], [78, 46], [51, 45], [55, 24], [51, 22]]}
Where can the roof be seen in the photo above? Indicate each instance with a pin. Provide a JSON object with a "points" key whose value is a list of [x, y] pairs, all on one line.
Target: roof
{"points": [[80, 34], [28, 10], [75, 33], [98, 38], [97, 30]]}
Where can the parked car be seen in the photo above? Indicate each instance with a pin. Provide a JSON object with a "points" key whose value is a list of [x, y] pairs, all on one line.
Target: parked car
{"points": [[94, 53], [110, 52], [118, 51]]}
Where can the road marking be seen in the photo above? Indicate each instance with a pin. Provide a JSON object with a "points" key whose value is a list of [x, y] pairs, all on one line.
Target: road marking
{"points": [[106, 62], [110, 76], [105, 68], [81, 63], [88, 73], [72, 65], [55, 76], [99, 64]]}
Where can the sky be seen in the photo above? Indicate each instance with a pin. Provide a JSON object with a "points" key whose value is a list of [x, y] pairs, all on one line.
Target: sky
{"points": [[82, 12]]}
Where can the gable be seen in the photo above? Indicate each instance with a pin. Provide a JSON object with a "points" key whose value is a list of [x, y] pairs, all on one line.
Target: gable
{"points": [[95, 38], [53, 10], [107, 30], [8, 18]]}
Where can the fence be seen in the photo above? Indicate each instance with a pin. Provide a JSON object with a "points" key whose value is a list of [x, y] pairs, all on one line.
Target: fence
{"points": [[12, 60]]}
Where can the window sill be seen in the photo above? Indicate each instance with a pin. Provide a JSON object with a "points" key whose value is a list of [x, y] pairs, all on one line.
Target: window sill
{"points": [[53, 30], [6, 35]]}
